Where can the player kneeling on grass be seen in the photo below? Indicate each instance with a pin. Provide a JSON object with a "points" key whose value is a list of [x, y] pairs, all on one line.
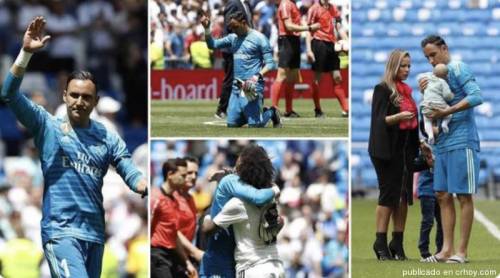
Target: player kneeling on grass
{"points": [[253, 58], [75, 153]]}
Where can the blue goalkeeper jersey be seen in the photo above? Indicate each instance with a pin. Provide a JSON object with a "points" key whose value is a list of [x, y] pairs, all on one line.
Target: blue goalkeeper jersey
{"points": [[463, 130], [250, 53], [74, 162], [219, 256]]}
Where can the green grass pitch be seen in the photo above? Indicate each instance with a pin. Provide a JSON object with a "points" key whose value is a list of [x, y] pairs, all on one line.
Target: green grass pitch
{"points": [[195, 118], [484, 249]]}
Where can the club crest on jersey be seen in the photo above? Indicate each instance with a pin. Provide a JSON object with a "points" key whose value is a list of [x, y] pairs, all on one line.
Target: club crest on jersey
{"points": [[100, 150], [65, 128]]}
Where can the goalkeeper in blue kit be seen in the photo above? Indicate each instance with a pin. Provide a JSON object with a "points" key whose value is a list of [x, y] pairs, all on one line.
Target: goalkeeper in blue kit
{"points": [[253, 58], [75, 153]]}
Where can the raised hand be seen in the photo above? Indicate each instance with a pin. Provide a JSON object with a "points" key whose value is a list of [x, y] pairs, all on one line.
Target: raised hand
{"points": [[33, 39]]}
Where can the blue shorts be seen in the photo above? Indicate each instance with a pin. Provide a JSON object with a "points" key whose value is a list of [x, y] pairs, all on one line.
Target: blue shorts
{"points": [[240, 111], [72, 257], [457, 171]]}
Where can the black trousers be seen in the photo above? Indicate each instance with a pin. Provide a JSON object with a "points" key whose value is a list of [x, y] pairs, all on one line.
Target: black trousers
{"points": [[227, 83], [165, 264]]}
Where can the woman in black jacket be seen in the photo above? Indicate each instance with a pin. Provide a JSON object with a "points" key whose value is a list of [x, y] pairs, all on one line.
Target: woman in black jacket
{"points": [[393, 145]]}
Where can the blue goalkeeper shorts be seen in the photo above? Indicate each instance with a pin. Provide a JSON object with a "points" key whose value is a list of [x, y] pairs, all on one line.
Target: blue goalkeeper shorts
{"points": [[240, 111], [456, 171], [72, 257]]}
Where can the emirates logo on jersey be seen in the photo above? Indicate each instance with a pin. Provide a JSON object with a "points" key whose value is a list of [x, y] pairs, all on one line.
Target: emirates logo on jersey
{"points": [[82, 165]]}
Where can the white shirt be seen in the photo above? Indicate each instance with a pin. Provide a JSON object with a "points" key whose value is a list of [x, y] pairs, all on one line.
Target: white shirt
{"points": [[245, 218]]}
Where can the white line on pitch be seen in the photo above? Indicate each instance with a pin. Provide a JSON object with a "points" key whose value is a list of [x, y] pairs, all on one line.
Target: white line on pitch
{"points": [[219, 123], [490, 226]]}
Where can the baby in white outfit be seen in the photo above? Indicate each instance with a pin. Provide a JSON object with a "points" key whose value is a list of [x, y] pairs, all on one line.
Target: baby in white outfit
{"points": [[436, 94]]}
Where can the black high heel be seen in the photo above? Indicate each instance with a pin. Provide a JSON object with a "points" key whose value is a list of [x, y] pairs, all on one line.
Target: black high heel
{"points": [[396, 247], [381, 251]]}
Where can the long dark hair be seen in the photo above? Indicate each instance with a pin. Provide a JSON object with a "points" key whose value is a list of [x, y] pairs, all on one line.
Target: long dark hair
{"points": [[255, 167]]}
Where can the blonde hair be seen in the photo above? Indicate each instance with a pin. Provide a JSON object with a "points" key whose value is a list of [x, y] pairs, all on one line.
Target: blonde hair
{"points": [[391, 72]]}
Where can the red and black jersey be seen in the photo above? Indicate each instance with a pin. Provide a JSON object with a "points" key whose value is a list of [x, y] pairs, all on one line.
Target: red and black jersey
{"points": [[165, 222], [288, 9], [186, 214], [326, 16]]}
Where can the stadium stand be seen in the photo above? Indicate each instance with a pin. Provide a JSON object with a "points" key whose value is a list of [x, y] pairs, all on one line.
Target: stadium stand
{"points": [[175, 25], [471, 31], [80, 41]]}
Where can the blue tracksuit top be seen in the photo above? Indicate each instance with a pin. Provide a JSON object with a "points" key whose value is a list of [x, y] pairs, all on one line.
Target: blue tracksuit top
{"points": [[463, 131], [74, 162]]}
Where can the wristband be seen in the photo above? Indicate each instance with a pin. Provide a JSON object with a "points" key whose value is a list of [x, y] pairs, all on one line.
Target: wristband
{"points": [[23, 58], [276, 190]]}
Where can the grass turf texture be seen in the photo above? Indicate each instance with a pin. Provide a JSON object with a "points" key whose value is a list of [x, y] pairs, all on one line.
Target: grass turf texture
{"points": [[195, 118], [484, 249]]}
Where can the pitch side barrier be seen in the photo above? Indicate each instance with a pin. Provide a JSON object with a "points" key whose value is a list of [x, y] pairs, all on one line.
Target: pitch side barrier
{"points": [[180, 84]]}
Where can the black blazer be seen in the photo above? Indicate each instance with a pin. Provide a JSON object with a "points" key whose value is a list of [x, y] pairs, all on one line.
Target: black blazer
{"points": [[383, 139]]}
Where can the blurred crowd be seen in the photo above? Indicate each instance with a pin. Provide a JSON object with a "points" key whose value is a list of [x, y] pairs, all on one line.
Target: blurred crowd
{"points": [[94, 35], [313, 177], [178, 39]]}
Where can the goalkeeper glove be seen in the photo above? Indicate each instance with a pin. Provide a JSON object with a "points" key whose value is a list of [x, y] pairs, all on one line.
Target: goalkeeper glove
{"points": [[271, 223], [249, 87]]}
